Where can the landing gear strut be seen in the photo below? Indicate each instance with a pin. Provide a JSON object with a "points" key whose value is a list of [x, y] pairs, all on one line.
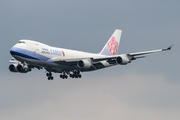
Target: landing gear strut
{"points": [[49, 75]]}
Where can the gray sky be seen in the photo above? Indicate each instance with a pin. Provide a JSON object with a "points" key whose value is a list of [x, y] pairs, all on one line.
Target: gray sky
{"points": [[148, 88]]}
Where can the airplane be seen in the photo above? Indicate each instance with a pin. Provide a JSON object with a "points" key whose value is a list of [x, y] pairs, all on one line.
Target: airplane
{"points": [[29, 54]]}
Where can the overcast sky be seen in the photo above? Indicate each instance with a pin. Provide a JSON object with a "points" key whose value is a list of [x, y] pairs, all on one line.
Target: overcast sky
{"points": [[145, 89]]}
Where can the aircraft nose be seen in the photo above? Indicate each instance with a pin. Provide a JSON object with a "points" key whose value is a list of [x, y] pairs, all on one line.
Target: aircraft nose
{"points": [[12, 50]]}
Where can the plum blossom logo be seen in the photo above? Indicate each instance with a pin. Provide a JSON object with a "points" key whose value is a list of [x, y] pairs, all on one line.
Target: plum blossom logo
{"points": [[113, 45]]}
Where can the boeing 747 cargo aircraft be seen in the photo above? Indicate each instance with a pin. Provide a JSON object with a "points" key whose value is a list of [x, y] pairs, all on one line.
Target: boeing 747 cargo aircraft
{"points": [[28, 54]]}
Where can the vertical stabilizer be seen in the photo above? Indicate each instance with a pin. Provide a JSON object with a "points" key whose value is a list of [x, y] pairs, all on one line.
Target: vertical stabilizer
{"points": [[111, 47]]}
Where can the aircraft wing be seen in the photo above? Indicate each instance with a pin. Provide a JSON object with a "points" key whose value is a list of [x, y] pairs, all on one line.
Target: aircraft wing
{"points": [[131, 56]]}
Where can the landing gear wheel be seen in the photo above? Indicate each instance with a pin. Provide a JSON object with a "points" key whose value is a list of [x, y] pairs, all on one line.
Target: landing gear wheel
{"points": [[64, 75], [49, 75], [76, 74], [61, 76]]}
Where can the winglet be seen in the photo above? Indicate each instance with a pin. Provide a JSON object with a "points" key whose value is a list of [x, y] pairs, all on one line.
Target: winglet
{"points": [[169, 48]]}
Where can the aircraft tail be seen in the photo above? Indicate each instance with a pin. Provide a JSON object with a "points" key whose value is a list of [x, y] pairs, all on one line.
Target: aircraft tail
{"points": [[111, 47]]}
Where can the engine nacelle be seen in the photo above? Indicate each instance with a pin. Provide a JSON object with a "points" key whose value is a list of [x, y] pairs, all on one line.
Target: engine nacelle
{"points": [[123, 60], [23, 68], [13, 67], [84, 64]]}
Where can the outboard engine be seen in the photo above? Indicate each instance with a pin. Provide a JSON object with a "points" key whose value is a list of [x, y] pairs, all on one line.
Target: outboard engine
{"points": [[84, 64], [123, 60], [13, 67]]}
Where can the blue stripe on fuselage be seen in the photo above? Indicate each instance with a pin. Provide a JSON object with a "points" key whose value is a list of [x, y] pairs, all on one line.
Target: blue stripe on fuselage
{"points": [[27, 54]]}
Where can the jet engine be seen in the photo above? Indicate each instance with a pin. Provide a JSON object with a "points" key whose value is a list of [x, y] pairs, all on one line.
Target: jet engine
{"points": [[123, 60], [23, 68], [13, 67], [84, 64], [19, 68]]}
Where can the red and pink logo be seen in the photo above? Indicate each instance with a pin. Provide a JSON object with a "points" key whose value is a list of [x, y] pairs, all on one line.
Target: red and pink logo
{"points": [[63, 53], [113, 45]]}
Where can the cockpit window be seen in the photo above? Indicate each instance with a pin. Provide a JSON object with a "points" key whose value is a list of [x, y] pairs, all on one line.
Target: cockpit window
{"points": [[21, 42]]}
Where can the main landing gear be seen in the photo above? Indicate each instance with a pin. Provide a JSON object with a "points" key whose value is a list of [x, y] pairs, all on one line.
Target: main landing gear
{"points": [[76, 74], [49, 75], [65, 74]]}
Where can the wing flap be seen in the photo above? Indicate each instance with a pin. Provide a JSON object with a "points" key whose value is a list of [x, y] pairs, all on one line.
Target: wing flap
{"points": [[98, 65]]}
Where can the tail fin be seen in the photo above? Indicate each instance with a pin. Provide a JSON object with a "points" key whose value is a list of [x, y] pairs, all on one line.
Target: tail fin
{"points": [[112, 45]]}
